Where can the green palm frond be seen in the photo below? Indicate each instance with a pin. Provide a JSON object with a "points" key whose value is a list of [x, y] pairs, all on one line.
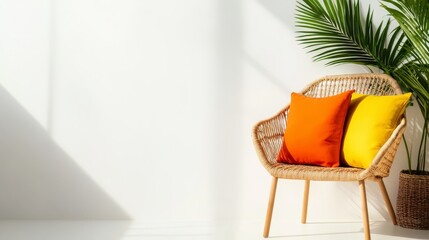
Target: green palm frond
{"points": [[413, 18], [415, 77], [336, 30]]}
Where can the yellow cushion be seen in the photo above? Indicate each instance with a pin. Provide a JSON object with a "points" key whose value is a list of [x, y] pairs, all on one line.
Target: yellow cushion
{"points": [[369, 124]]}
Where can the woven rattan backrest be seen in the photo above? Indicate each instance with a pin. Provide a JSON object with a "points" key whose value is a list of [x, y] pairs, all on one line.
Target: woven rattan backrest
{"points": [[374, 84]]}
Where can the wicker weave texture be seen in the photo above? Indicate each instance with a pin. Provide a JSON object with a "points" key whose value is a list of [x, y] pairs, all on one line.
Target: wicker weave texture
{"points": [[268, 134], [413, 201]]}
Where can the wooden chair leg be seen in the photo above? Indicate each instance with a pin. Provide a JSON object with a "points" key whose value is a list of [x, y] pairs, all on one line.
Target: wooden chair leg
{"points": [[270, 207], [305, 202], [387, 201], [364, 210]]}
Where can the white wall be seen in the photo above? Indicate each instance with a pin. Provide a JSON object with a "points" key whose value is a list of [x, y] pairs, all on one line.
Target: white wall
{"points": [[143, 110]]}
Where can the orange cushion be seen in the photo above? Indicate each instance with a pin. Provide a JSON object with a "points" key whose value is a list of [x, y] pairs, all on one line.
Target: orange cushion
{"points": [[314, 130]]}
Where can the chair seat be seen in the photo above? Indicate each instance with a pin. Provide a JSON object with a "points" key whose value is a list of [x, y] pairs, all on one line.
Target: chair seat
{"points": [[306, 172]]}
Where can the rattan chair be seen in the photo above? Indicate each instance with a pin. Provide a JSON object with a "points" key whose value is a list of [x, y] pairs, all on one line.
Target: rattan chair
{"points": [[268, 138]]}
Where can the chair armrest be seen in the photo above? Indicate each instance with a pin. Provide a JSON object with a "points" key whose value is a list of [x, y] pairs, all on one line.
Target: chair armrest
{"points": [[382, 162], [268, 137]]}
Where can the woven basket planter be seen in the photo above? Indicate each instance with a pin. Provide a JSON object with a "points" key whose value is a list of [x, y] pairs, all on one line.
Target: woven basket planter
{"points": [[413, 200]]}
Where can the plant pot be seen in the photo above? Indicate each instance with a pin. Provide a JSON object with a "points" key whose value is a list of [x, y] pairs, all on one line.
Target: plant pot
{"points": [[412, 205]]}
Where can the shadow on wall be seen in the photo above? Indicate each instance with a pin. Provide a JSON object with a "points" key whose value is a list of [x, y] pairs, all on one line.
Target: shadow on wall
{"points": [[266, 73], [227, 109], [38, 180], [278, 8]]}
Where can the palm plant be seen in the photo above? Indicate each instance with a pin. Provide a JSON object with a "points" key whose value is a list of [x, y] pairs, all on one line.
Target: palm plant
{"points": [[336, 31]]}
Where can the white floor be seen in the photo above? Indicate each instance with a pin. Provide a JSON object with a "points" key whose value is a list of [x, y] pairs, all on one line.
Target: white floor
{"points": [[124, 230]]}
